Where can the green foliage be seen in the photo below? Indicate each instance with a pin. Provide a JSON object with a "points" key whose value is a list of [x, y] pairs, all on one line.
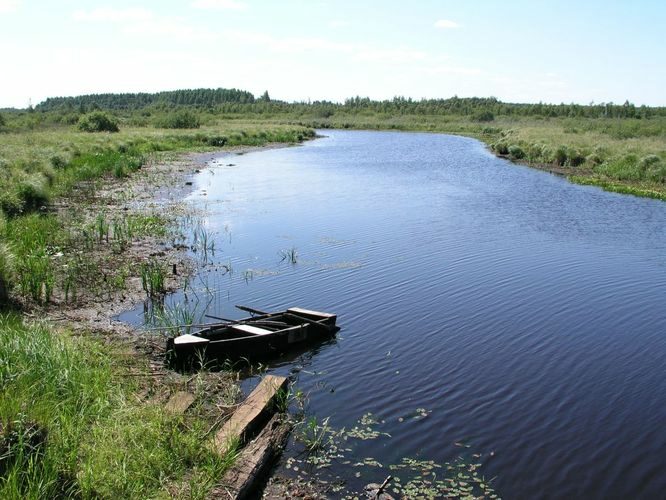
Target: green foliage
{"points": [[153, 276], [71, 425], [98, 121], [516, 152], [501, 148], [483, 116], [6, 264], [560, 156], [184, 119]]}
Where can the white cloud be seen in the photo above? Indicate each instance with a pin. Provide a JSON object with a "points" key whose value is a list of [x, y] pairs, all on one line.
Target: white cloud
{"points": [[454, 70], [7, 6], [289, 45], [143, 22], [390, 55], [219, 5], [446, 24], [114, 15]]}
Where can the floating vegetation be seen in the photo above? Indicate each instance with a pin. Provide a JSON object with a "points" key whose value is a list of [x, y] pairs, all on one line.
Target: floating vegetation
{"points": [[411, 477], [428, 479], [418, 414], [290, 255]]}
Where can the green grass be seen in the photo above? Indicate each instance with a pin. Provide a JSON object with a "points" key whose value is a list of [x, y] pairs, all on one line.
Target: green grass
{"points": [[72, 426]]}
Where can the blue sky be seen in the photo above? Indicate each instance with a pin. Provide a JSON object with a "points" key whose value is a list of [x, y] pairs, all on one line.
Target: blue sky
{"points": [[518, 51]]}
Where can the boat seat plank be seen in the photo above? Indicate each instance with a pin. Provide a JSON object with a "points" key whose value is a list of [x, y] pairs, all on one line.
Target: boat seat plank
{"points": [[298, 310], [189, 339], [249, 413], [254, 330]]}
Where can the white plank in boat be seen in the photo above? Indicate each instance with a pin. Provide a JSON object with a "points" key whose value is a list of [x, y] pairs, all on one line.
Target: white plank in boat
{"points": [[254, 330], [298, 310], [189, 339], [248, 413]]}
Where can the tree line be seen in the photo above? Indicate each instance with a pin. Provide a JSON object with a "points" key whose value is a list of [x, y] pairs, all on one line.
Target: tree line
{"points": [[240, 101]]}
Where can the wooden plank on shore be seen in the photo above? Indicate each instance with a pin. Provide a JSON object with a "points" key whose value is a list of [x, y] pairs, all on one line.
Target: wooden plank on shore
{"points": [[179, 402], [256, 459], [249, 414]]}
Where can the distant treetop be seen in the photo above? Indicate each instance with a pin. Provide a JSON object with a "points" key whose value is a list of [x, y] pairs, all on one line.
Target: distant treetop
{"points": [[190, 97]]}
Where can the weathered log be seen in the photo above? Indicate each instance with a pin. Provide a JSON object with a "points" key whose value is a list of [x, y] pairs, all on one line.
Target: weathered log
{"points": [[254, 411], [251, 467]]}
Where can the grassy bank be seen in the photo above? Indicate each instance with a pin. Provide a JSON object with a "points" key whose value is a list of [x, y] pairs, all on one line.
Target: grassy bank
{"points": [[625, 155], [79, 418], [72, 425], [40, 250]]}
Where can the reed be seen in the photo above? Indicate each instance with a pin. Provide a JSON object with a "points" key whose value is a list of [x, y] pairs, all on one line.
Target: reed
{"points": [[153, 278], [290, 255]]}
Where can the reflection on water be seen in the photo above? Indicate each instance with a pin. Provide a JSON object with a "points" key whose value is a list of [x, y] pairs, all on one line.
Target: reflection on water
{"points": [[523, 314]]}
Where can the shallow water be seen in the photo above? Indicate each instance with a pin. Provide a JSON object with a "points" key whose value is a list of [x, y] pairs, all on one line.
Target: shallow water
{"points": [[524, 313]]}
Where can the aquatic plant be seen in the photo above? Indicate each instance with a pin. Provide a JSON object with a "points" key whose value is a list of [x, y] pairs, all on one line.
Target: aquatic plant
{"points": [[290, 255], [153, 276]]}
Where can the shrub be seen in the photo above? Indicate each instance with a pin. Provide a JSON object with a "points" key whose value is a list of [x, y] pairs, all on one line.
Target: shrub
{"points": [[594, 159], [217, 140], [180, 119], [516, 152], [648, 161], [657, 173], [576, 158], [561, 155], [58, 161], [98, 121], [33, 193], [483, 116], [501, 148]]}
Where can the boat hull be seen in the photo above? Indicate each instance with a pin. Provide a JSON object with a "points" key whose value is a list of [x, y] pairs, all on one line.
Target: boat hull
{"points": [[260, 337]]}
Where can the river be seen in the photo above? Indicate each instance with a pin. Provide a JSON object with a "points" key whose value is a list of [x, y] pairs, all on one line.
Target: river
{"points": [[486, 308]]}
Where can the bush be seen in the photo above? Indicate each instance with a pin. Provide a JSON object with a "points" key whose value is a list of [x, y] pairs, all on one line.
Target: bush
{"points": [[33, 193], [483, 116], [180, 119], [516, 152], [501, 148], [98, 121], [648, 161], [216, 141], [561, 155], [576, 158]]}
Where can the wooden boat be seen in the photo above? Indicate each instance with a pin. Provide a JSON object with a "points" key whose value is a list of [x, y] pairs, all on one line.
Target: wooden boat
{"points": [[260, 336]]}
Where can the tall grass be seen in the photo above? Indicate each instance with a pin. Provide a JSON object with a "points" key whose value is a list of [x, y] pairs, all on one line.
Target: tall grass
{"points": [[70, 425]]}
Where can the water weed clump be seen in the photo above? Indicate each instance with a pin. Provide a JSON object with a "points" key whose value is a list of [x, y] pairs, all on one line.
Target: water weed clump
{"points": [[153, 278], [290, 255]]}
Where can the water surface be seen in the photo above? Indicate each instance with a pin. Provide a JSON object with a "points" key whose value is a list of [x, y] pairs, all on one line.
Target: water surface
{"points": [[526, 314]]}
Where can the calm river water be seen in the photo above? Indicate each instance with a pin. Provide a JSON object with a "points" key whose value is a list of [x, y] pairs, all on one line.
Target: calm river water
{"points": [[525, 315]]}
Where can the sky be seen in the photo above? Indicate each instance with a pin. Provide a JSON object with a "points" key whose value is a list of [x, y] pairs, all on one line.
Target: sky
{"points": [[518, 51]]}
